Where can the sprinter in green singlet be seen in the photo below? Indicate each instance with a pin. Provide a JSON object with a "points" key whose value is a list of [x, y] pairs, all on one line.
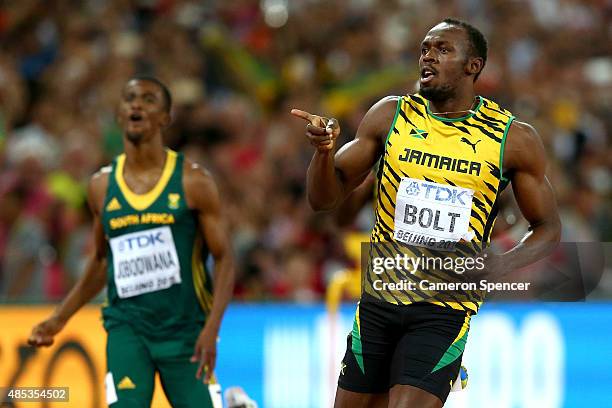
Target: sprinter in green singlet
{"points": [[157, 217]]}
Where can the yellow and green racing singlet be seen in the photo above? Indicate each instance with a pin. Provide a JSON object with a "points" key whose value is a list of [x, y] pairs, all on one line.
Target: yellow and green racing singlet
{"points": [[437, 188]]}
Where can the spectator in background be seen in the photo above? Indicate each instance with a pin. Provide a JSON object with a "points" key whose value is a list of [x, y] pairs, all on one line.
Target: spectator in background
{"points": [[26, 253]]}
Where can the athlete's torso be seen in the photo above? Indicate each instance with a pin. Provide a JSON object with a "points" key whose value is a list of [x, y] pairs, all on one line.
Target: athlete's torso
{"points": [[156, 277], [438, 183]]}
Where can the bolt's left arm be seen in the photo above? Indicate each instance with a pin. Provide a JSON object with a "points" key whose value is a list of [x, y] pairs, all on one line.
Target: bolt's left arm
{"points": [[525, 159]]}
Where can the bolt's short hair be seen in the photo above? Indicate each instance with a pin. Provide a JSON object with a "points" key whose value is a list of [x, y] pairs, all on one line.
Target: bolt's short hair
{"points": [[478, 42]]}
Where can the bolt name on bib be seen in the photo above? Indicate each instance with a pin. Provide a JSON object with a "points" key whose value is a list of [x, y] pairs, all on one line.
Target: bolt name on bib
{"points": [[145, 261], [432, 215]]}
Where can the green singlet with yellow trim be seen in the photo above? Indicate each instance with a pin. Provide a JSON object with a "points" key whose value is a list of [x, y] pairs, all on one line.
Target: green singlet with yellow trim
{"points": [[437, 188], [157, 280]]}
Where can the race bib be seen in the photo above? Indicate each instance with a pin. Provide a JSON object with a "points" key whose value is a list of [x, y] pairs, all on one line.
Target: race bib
{"points": [[145, 261], [432, 215]]}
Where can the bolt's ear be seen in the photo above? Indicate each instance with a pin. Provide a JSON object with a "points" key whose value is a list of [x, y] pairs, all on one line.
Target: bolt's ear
{"points": [[474, 66]]}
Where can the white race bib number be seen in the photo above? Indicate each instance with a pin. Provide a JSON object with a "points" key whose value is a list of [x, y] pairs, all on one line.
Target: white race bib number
{"points": [[145, 261], [432, 215]]}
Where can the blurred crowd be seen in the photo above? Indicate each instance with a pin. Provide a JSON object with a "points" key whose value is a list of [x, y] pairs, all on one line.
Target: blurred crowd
{"points": [[235, 69]]}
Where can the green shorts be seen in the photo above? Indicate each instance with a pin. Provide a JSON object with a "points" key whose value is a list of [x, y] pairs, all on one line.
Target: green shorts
{"points": [[133, 359]]}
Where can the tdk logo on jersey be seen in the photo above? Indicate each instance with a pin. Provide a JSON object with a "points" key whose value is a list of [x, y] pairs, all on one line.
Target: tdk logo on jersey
{"points": [[444, 194], [436, 192], [413, 188], [141, 241]]}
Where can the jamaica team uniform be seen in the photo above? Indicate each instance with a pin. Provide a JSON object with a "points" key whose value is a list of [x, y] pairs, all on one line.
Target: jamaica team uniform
{"points": [[437, 188], [158, 290]]}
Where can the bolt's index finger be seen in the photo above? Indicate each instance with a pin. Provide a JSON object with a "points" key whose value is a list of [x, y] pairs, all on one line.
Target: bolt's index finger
{"points": [[303, 114]]}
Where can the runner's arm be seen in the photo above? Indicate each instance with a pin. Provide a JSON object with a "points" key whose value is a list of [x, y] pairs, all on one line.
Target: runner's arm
{"points": [[90, 283], [203, 196], [525, 158], [331, 177], [355, 201], [94, 278]]}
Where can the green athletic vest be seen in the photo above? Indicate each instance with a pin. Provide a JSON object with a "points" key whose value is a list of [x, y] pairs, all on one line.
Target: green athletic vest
{"points": [[156, 276]]}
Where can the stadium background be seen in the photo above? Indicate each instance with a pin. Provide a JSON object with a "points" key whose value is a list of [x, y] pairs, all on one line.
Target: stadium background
{"points": [[235, 69]]}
